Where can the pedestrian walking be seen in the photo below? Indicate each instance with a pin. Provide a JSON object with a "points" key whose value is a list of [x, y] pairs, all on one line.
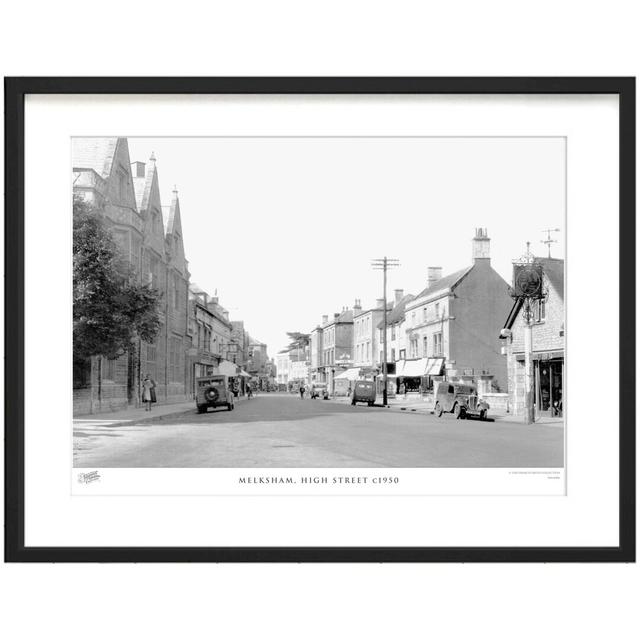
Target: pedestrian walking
{"points": [[249, 392], [148, 392], [301, 391]]}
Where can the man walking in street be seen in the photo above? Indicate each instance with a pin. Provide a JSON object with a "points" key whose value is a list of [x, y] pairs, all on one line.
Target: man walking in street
{"points": [[301, 391]]}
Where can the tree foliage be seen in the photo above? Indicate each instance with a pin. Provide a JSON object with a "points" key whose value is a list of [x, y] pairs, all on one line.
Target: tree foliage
{"points": [[110, 309], [298, 340]]}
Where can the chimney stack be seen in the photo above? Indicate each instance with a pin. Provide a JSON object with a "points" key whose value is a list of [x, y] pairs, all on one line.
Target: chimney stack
{"points": [[480, 245], [399, 294], [356, 305], [325, 319], [137, 168], [380, 303], [336, 315], [433, 275]]}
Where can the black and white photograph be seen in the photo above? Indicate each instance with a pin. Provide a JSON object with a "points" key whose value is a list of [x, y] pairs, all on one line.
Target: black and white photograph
{"points": [[318, 302], [360, 315]]}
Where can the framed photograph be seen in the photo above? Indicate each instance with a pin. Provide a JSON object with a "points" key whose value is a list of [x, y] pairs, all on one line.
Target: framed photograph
{"points": [[320, 319]]}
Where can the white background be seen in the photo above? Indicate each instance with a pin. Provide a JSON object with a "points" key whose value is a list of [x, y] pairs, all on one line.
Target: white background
{"points": [[587, 516], [400, 38]]}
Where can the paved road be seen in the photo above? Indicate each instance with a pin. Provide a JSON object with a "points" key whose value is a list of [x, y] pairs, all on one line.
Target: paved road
{"points": [[278, 430]]}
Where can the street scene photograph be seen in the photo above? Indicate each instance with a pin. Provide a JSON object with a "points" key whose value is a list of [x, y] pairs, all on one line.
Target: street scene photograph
{"points": [[318, 302]]}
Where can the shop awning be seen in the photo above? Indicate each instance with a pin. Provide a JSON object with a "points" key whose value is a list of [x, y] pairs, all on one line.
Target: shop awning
{"points": [[349, 374], [434, 366], [414, 368]]}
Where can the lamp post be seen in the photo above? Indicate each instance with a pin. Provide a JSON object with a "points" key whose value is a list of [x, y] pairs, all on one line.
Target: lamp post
{"points": [[528, 286]]}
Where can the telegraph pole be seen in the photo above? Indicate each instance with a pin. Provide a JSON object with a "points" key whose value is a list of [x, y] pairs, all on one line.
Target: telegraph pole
{"points": [[384, 264]]}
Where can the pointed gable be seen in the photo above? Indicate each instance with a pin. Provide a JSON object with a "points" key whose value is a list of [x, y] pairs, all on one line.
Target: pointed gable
{"points": [[150, 206], [120, 188], [173, 240], [93, 153]]}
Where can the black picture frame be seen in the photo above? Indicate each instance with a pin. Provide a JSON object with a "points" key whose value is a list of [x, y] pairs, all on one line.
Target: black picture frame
{"points": [[15, 91]]}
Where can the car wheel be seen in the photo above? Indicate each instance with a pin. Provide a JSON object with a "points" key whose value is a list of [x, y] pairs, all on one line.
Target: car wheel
{"points": [[202, 408], [438, 410], [229, 407], [483, 414], [459, 412], [369, 404]]}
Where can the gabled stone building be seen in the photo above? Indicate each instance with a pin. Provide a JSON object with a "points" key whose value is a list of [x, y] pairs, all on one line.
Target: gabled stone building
{"points": [[453, 324], [547, 333], [129, 196]]}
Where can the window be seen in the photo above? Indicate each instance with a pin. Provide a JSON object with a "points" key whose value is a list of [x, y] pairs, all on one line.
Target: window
{"points": [[413, 318], [175, 360], [176, 292], [540, 311], [437, 344], [393, 331], [424, 346], [122, 185], [151, 353], [109, 368], [81, 373], [153, 268], [424, 314], [402, 354], [393, 355]]}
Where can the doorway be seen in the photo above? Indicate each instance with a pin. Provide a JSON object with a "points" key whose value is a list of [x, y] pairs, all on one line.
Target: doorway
{"points": [[548, 380]]}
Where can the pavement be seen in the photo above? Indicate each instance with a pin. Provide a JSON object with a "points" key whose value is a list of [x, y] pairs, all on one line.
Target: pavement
{"points": [[416, 404], [281, 430]]}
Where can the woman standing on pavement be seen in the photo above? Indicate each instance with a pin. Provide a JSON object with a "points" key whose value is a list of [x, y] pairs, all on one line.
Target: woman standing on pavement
{"points": [[148, 392]]}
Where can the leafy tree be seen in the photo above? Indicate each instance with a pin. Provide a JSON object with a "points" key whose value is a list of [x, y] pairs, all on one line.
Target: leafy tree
{"points": [[110, 309], [298, 340]]}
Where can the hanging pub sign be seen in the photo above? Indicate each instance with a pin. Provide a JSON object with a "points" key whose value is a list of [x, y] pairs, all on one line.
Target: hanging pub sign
{"points": [[527, 281]]}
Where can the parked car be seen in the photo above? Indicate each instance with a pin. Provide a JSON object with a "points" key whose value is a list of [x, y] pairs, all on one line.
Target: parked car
{"points": [[319, 390], [364, 391], [214, 391], [460, 399]]}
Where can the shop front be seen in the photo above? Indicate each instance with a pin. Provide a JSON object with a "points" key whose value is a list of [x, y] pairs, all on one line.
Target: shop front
{"points": [[548, 382], [418, 375], [548, 376]]}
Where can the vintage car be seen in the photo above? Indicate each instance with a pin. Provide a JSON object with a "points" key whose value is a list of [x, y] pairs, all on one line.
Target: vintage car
{"points": [[364, 391], [460, 399], [319, 390], [214, 391]]}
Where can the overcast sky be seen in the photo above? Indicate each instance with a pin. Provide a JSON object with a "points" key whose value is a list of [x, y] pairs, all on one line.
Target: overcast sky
{"points": [[285, 228]]}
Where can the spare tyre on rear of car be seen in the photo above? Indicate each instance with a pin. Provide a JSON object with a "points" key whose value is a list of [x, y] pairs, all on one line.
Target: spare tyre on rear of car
{"points": [[211, 394]]}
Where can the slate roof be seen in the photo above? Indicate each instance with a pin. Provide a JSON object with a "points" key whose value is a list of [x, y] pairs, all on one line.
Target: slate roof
{"points": [[94, 153], [397, 313], [344, 316], [554, 273], [448, 282]]}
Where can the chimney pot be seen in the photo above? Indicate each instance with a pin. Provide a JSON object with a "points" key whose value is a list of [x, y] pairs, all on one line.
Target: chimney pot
{"points": [[379, 303], [325, 319], [399, 294]]}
